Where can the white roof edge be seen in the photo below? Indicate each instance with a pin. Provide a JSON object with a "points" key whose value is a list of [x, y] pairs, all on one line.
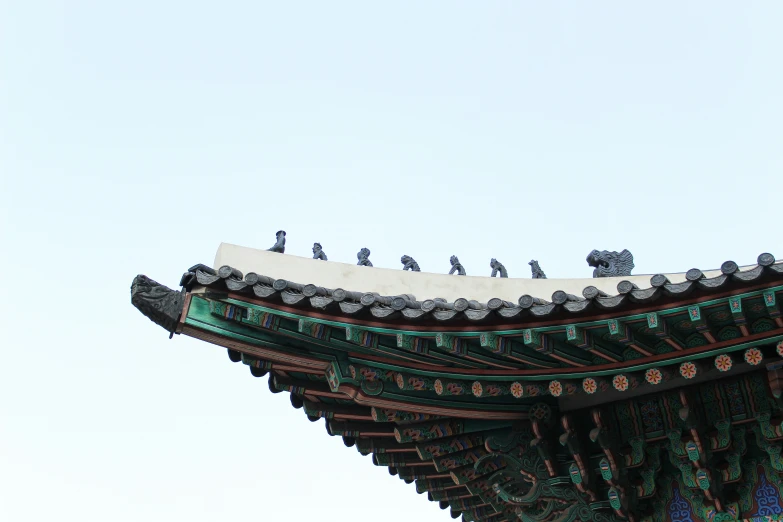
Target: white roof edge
{"points": [[423, 285]]}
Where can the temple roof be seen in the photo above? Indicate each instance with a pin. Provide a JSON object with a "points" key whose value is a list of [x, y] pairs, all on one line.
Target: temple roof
{"points": [[397, 295], [582, 399]]}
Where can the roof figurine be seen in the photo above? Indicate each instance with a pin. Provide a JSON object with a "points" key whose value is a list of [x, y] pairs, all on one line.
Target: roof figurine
{"points": [[456, 266], [161, 305], [409, 264], [497, 268], [610, 264], [279, 245], [364, 257], [660, 288], [318, 252], [536, 269]]}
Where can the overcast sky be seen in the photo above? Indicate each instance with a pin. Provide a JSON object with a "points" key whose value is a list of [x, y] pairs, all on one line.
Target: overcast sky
{"points": [[136, 136]]}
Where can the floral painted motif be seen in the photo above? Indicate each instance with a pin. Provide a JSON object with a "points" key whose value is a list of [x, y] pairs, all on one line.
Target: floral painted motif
{"points": [[455, 388], [516, 390], [653, 376], [767, 499], [477, 389], [780, 348], [688, 370], [555, 388], [736, 398], [417, 383], [370, 374], [540, 411], [652, 418], [620, 382], [533, 390], [589, 385], [753, 356], [723, 362], [492, 390], [613, 327], [400, 380], [438, 386]]}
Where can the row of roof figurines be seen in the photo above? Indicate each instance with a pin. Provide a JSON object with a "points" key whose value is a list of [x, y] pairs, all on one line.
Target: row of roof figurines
{"points": [[605, 263]]}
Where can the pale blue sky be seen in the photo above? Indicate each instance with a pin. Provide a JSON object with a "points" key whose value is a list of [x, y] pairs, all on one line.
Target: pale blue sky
{"points": [[136, 136]]}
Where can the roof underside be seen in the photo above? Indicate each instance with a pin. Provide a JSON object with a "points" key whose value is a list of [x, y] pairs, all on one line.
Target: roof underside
{"points": [[464, 398]]}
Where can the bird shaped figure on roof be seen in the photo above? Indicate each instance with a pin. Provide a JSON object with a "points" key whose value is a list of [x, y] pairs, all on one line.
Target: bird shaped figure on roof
{"points": [[456, 266], [497, 268], [536, 269], [318, 252], [408, 263], [279, 245], [364, 257]]}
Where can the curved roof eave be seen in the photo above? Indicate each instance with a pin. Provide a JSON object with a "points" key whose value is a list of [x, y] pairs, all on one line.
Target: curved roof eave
{"points": [[386, 292]]}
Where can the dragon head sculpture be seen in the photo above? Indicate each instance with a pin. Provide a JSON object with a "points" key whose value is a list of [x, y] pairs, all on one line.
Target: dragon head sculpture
{"points": [[162, 305], [610, 264]]}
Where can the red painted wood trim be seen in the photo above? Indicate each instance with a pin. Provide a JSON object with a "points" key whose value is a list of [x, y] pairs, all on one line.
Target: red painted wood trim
{"points": [[184, 315]]}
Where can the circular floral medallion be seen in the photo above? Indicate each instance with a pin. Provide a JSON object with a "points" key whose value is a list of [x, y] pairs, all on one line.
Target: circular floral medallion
{"points": [[517, 391], [753, 356], [620, 382], [555, 388], [540, 411], [780, 348], [400, 380], [653, 376], [589, 385], [477, 389], [688, 370], [723, 362], [438, 386]]}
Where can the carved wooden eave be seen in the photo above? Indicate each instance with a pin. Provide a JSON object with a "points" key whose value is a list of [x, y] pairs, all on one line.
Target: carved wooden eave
{"points": [[466, 392]]}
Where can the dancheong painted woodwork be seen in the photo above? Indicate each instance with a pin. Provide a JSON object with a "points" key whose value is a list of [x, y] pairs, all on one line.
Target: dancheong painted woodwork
{"points": [[654, 403]]}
